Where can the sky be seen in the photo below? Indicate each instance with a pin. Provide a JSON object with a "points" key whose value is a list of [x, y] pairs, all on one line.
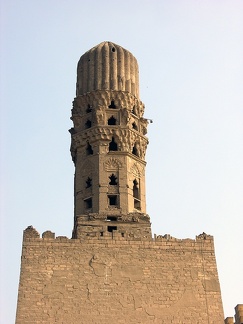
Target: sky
{"points": [[191, 82]]}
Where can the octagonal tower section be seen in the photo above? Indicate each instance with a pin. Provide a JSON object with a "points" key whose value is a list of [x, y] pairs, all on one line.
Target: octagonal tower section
{"points": [[108, 146]]}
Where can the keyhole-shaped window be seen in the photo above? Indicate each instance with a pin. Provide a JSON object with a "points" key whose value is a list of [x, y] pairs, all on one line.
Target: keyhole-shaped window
{"points": [[113, 145], [135, 189], [112, 121], [89, 149], [112, 105], [113, 180], [88, 182], [88, 124]]}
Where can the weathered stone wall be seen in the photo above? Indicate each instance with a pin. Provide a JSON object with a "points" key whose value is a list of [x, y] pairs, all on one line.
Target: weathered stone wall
{"points": [[105, 280]]}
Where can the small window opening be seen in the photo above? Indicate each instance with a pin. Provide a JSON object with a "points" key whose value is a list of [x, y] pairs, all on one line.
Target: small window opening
{"points": [[122, 234], [88, 182], [112, 200], [112, 105], [88, 203], [112, 145], [88, 124], [111, 218], [89, 149], [134, 110], [113, 180], [135, 150], [89, 109], [112, 121], [136, 197], [135, 189], [111, 228], [101, 233], [137, 204], [134, 126], [113, 49]]}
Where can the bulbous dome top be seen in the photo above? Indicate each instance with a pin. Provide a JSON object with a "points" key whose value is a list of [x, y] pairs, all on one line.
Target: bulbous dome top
{"points": [[107, 66]]}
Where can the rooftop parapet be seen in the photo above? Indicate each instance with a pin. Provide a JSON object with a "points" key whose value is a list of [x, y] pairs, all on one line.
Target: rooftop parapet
{"points": [[31, 233], [239, 314]]}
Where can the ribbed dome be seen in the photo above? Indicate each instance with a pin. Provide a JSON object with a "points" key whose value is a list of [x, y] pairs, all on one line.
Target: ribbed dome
{"points": [[107, 66]]}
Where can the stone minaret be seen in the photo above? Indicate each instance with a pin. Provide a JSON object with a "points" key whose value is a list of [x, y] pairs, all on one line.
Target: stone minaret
{"points": [[112, 270], [109, 145]]}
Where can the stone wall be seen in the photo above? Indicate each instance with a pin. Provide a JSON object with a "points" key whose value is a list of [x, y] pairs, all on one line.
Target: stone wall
{"points": [[113, 280]]}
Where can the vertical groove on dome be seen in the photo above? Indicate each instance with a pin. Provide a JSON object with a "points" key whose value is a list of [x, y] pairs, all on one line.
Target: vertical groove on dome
{"points": [[137, 80], [98, 68], [127, 72], [133, 90], [120, 69], [91, 75], [85, 72], [113, 64], [107, 66]]}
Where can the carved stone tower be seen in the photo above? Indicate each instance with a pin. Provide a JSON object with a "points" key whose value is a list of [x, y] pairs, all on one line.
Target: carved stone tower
{"points": [[109, 145], [112, 270]]}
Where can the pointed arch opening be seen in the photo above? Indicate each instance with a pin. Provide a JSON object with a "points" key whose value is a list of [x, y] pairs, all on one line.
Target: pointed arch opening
{"points": [[88, 183], [88, 124], [112, 120], [112, 105], [89, 150], [136, 194], [135, 189], [135, 150], [113, 145]]}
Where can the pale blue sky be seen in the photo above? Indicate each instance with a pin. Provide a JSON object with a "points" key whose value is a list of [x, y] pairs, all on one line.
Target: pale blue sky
{"points": [[191, 81]]}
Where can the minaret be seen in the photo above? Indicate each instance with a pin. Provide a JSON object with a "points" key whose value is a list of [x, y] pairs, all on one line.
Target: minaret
{"points": [[112, 271], [108, 146]]}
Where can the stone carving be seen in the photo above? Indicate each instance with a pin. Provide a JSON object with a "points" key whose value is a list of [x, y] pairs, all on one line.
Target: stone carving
{"points": [[144, 124], [143, 148], [98, 114], [125, 140], [112, 164], [125, 116], [135, 170], [135, 218], [123, 100]]}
